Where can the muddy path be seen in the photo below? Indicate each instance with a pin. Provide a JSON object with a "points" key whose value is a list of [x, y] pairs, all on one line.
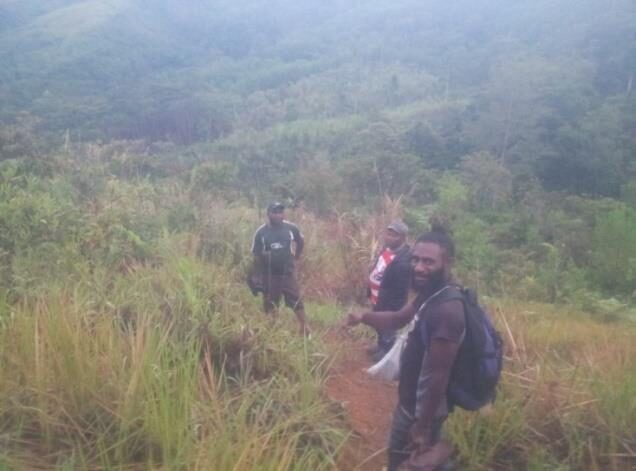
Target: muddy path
{"points": [[368, 404]]}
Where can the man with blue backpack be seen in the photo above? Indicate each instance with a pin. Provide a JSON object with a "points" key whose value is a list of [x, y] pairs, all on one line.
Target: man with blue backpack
{"points": [[452, 356]]}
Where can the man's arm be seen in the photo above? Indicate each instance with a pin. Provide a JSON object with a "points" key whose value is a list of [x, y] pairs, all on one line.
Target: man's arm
{"points": [[257, 251], [383, 320], [257, 243], [258, 264], [299, 239], [438, 363], [446, 326]]}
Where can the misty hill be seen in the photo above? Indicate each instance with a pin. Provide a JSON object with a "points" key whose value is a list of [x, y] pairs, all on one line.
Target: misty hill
{"points": [[546, 86]]}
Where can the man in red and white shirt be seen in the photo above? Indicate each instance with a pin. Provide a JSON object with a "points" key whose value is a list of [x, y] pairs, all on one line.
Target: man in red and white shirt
{"points": [[375, 278], [389, 281]]}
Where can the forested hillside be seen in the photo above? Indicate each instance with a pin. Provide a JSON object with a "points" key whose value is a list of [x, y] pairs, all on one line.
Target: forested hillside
{"points": [[514, 121], [545, 87]]}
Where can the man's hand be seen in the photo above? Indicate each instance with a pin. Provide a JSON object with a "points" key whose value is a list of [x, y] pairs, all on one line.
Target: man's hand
{"points": [[419, 438], [428, 459], [353, 319]]}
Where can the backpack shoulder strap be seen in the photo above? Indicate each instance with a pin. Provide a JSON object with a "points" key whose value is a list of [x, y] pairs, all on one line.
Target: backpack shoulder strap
{"points": [[451, 292]]}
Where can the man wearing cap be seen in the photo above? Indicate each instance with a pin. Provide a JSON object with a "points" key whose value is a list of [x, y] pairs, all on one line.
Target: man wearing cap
{"points": [[275, 246], [389, 281]]}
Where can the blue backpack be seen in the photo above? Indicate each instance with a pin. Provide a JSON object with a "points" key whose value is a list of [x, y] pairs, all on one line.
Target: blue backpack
{"points": [[479, 362]]}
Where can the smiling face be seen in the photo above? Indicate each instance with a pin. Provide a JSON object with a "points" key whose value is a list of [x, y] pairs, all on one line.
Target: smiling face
{"points": [[430, 265]]}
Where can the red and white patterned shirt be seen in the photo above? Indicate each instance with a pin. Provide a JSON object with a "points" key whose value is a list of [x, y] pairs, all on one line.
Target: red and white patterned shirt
{"points": [[375, 278]]}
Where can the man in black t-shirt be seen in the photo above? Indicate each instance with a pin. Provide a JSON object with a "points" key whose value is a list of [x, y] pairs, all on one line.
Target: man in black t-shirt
{"points": [[275, 247], [389, 281], [428, 357]]}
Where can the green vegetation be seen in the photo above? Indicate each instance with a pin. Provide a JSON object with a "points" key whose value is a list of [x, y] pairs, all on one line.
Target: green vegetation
{"points": [[566, 401], [139, 142], [165, 365], [129, 339]]}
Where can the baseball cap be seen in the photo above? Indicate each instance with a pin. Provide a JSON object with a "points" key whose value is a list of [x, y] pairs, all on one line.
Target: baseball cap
{"points": [[399, 227], [275, 207]]}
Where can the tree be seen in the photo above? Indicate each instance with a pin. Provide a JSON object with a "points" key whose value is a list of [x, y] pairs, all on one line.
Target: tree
{"points": [[489, 181], [614, 251]]}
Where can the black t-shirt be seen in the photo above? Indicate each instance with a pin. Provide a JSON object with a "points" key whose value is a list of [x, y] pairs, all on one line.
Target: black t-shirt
{"points": [[274, 244], [440, 319], [396, 282]]}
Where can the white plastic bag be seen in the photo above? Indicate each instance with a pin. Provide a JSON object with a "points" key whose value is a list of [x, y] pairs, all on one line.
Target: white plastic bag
{"points": [[388, 368]]}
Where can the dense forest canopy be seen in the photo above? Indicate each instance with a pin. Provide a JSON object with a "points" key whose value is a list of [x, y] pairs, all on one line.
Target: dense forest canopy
{"points": [[513, 120], [544, 86]]}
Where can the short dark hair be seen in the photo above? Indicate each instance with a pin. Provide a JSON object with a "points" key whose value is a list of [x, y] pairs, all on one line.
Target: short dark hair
{"points": [[438, 235], [275, 207]]}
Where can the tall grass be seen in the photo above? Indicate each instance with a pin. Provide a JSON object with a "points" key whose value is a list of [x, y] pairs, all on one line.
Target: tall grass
{"points": [[171, 367], [567, 396], [341, 250]]}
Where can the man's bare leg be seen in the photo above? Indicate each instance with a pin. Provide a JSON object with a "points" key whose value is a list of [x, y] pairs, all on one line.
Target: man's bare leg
{"points": [[269, 306], [302, 320]]}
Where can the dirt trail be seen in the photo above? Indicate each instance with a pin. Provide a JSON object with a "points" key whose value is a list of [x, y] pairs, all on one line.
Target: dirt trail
{"points": [[368, 403]]}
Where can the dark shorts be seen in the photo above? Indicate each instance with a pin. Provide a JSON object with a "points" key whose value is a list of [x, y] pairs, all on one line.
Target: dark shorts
{"points": [[276, 286]]}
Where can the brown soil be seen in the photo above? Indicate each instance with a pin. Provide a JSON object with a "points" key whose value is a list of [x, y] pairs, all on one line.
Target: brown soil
{"points": [[368, 404]]}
